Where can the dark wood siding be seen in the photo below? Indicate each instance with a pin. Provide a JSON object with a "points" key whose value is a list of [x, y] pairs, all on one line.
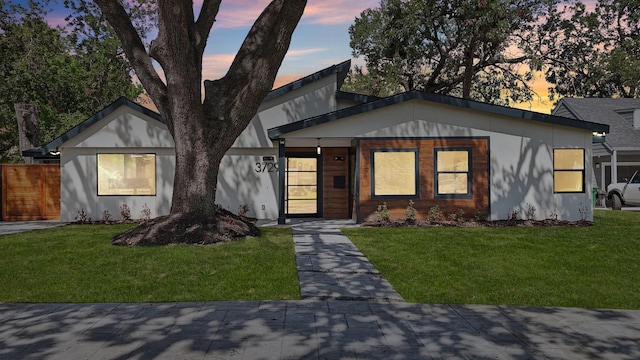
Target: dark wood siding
{"points": [[30, 192], [426, 194], [335, 183]]}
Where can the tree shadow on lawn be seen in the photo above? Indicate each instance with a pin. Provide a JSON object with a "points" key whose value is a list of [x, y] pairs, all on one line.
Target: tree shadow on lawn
{"points": [[313, 329]]}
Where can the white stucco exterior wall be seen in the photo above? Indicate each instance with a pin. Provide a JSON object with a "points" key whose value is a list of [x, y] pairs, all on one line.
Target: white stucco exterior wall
{"points": [[314, 99], [124, 131], [521, 151], [241, 180]]}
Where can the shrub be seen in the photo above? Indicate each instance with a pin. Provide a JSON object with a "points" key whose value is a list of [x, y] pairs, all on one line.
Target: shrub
{"points": [[82, 217], [481, 215], [410, 212], [106, 216], [457, 216], [513, 214], [435, 214], [146, 213], [125, 213], [243, 210], [382, 213], [530, 212]]}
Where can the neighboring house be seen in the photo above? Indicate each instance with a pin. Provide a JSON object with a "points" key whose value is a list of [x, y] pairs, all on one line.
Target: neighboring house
{"points": [[315, 151], [619, 156]]}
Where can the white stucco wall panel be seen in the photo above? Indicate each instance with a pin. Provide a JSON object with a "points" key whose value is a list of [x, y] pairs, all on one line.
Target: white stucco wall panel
{"points": [[79, 185], [310, 100], [124, 128], [248, 178]]}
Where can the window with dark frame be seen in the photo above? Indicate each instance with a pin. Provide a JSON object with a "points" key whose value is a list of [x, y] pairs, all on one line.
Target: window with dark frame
{"points": [[568, 170], [394, 173], [126, 174], [453, 173]]}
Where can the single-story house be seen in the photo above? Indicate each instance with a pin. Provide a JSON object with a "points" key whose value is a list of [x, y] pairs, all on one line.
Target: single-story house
{"points": [[618, 157], [315, 151]]}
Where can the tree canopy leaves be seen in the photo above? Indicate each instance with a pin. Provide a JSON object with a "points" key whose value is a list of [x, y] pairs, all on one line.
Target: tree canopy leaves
{"points": [[69, 73], [459, 47], [594, 53], [491, 50]]}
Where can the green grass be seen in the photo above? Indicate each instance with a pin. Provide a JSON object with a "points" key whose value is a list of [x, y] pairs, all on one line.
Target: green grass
{"points": [[77, 263], [593, 267]]}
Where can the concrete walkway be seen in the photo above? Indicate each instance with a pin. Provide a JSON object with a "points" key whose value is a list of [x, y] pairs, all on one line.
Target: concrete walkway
{"points": [[14, 227], [330, 267], [379, 325]]}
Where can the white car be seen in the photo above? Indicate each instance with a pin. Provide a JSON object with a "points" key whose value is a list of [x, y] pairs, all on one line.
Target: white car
{"points": [[625, 193]]}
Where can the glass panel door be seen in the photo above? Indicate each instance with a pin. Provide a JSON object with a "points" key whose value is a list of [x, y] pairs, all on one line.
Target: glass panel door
{"points": [[301, 186]]}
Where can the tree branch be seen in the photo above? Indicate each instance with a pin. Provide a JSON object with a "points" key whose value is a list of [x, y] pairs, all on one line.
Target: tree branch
{"points": [[202, 27], [135, 51], [255, 66]]}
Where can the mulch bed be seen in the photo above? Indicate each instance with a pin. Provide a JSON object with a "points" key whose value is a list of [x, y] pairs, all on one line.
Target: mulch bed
{"points": [[494, 223]]}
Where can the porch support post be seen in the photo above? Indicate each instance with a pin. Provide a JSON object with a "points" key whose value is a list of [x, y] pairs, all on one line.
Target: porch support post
{"points": [[281, 174], [614, 167]]}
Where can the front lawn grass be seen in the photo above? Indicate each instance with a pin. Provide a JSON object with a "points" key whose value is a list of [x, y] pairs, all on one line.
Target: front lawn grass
{"points": [[592, 267], [77, 263]]}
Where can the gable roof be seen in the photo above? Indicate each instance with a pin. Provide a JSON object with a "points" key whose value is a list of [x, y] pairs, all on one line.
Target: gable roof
{"points": [[440, 99], [340, 69], [52, 146], [606, 111]]}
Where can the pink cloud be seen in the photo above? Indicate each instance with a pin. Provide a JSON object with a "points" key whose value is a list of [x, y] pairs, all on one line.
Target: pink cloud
{"points": [[215, 66], [241, 13], [336, 11], [302, 52]]}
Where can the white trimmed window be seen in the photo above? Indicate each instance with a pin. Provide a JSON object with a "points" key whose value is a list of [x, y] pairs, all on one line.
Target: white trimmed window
{"points": [[126, 174], [568, 170], [394, 172], [453, 172]]}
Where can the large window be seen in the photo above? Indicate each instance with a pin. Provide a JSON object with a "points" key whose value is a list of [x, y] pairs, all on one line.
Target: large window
{"points": [[126, 174], [394, 172], [453, 172], [568, 170]]}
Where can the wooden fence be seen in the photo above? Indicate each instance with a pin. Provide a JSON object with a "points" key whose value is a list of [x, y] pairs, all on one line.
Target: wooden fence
{"points": [[30, 192]]}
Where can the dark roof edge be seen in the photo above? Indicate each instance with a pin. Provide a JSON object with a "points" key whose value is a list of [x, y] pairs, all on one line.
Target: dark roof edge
{"points": [[356, 97], [341, 69], [437, 98], [122, 101]]}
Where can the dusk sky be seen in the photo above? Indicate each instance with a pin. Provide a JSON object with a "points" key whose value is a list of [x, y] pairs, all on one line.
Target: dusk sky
{"points": [[320, 40]]}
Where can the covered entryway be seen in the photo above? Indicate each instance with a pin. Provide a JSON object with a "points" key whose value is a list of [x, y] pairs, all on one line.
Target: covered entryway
{"points": [[315, 185]]}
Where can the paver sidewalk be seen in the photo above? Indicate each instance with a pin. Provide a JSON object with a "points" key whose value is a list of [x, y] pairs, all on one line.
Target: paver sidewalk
{"points": [[313, 329], [331, 267]]}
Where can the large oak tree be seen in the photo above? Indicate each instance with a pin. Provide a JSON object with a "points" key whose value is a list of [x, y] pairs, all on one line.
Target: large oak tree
{"points": [[203, 127], [466, 48]]}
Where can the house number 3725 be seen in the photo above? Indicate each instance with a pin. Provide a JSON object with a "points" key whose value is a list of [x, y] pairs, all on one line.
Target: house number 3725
{"points": [[266, 166]]}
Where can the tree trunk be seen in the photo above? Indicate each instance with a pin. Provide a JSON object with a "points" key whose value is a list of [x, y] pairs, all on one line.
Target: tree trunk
{"points": [[467, 79], [27, 116], [203, 130], [198, 160]]}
